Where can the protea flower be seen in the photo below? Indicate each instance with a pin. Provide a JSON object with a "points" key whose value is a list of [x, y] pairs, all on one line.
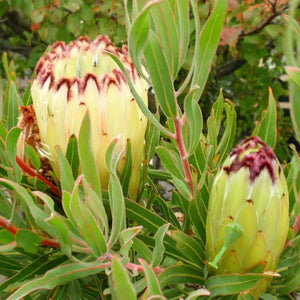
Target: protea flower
{"points": [[81, 77], [250, 189]]}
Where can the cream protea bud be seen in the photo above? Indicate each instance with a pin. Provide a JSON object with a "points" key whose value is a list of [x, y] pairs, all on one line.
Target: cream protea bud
{"points": [[251, 190], [79, 77]]}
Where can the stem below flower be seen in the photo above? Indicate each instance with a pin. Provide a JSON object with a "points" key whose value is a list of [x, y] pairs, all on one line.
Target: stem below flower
{"points": [[32, 172], [183, 153]]}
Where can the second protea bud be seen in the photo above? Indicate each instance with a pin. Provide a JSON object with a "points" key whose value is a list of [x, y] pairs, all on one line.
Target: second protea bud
{"points": [[250, 190], [79, 78]]}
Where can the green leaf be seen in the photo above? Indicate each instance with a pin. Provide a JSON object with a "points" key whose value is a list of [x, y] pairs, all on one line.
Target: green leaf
{"points": [[72, 155], [159, 249], [222, 285], [294, 94], [11, 105], [62, 233], [197, 212], [183, 27], [138, 35], [198, 293], [161, 78], [116, 198], [153, 287], [33, 156], [171, 161], [180, 274], [165, 28], [66, 174], [37, 267], [126, 173], [142, 249], [87, 224], [29, 240], [182, 187], [87, 158], [11, 150], [206, 45], [194, 120], [32, 211], [214, 122], [123, 286], [58, 276], [126, 237], [27, 95], [190, 246], [267, 127], [95, 204], [227, 140], [5, 64]]}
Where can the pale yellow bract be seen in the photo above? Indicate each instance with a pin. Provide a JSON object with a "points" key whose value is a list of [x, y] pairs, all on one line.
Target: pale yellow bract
{"points": [[81, 77]]}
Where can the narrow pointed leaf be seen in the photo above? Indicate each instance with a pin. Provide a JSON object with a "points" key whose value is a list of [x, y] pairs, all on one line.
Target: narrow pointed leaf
{"points": [[87, 225], [183, 274], [116, 198], [62, 233], [86, 155], [66, 175], [58, 276], [11, 150], [72, 155], [158, 251], [207, 45], [222, 285], [266, 128], [138, 34], [171, 161], [194, 120], [153, 286], [123, 285], [161, 76], [165, 27]]}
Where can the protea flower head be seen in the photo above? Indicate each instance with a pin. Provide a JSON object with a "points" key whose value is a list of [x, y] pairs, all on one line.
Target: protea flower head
{"points": [[81, 77], [250, 189]]}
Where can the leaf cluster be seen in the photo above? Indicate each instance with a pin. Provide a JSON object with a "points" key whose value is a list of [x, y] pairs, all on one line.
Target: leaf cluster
{"points": [[82, 242]]}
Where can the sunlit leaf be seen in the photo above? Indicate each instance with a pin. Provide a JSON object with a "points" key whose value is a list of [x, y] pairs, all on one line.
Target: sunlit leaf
{"points": [[266, 128], [160, 73], [206, 45]]}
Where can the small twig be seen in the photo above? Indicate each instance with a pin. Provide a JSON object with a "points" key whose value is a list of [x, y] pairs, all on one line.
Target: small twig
{"points": [[32, 172], [131, 266], [14, 230], [183, 153], [265, 22]]}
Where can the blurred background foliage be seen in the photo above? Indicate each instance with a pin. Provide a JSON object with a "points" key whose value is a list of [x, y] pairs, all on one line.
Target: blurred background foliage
{"points": [[249, 57]]}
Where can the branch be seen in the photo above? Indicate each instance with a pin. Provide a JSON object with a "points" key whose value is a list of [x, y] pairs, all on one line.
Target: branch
{"points": [[15, 20], [229, 67], [183, 153]]}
